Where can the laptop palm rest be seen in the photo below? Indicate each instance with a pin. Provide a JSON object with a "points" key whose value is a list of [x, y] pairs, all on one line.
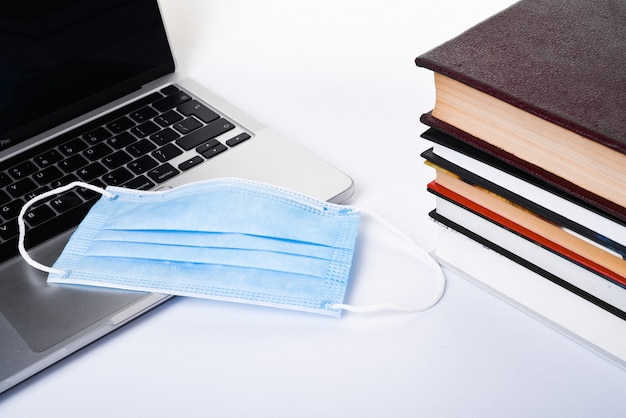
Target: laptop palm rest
{"points": [[31, 305]]}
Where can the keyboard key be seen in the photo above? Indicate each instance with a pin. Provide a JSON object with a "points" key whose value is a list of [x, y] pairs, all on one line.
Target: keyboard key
{"points": [[237, 139], [165, 136], [98, 183], [4, 198], [73, 147], [47, 175], [11, 210], [38, 215], [117, 177], [187, 125], [8, 230], [48, 158], [145, 129], [97, 152], [65, 202], [197, 109], [205, 133], [169, 90], [63, 181], [211, 149], [143, 114], [97, 135], [168, 118], [122, 140], [167, 152], [140, 183], [20, 171], [163, 173], [143, 164], [140, 148], [30, 195], [73, 163], [89, 194], [21, 187], [116, 159], [120, 125], [5, 180], [146, 100], [190, 163], [171, 101], [91, 171]]}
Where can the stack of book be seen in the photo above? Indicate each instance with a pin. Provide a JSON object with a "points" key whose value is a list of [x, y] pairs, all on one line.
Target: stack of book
{"points": [[529, 150]]}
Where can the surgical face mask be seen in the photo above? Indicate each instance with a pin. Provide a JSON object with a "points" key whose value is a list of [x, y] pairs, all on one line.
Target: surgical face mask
{"points": [[225, 239]]}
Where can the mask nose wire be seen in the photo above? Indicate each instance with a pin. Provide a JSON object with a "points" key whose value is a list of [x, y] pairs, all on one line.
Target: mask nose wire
{"points": [[419, 253], [22, 226]]}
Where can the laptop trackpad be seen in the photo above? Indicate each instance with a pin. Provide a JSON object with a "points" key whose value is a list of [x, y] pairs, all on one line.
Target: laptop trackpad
{"points": [[45, 314]]}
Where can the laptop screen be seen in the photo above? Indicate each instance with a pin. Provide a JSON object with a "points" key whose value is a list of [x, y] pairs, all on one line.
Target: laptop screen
{"points": [[62, 58]]}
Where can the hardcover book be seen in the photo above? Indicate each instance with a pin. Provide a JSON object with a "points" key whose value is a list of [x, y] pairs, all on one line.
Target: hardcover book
{"points": [[541, 84], [584, 321], [538, 197], [513, 244], [596, 258]]}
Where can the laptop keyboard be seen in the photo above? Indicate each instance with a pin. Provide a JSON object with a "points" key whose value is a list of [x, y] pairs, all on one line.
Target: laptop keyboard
{"points": [[133, 147]]}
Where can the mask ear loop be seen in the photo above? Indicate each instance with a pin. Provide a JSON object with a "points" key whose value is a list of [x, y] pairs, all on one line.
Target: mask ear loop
{"points": [[22, 226], [419, 253]]}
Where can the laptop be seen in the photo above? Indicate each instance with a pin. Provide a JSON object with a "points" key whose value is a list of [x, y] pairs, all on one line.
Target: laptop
{"points": [[89, 91]]}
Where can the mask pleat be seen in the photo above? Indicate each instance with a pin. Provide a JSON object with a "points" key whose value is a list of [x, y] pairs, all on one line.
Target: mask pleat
{"points": [[216, 240], [236, 212], [248, 258], [235, 283]]}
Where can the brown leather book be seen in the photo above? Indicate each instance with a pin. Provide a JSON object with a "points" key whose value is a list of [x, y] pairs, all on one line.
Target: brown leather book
{"points": [[542, 83]]}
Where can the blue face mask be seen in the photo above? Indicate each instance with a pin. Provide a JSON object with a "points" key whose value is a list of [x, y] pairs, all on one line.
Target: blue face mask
{"points": [[226, 239]]}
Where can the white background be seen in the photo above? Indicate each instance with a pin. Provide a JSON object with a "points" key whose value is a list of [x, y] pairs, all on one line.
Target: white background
{"points": [[338, 77]]}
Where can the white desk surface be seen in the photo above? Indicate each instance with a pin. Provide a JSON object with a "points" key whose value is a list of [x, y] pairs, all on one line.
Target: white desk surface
{"points": [[338, 77]]}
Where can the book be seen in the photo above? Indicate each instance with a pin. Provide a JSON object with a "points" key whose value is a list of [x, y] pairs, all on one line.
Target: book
{"points": [[571, 189], [610, 263], [541, 84], [570, 266], [521, 189], [580, 319], [530, 254]]}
